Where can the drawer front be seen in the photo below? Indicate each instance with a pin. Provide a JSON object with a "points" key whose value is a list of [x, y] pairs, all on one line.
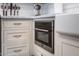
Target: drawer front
{"points": [[18, 51], [17, 24], [16, 38]]}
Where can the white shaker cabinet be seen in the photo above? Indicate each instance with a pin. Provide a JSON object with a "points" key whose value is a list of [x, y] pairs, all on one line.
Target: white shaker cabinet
{"points": [[70, 50], [66, 45], [67, 34], [17, 36]]}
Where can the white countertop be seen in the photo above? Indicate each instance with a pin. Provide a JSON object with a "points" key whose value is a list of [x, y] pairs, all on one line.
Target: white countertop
{"points": [[30, 17], [62, 14], [45, 16]]}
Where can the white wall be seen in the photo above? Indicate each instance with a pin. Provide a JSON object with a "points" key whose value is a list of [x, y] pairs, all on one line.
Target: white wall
{"points": [[48, 8], [26, 9], [58, 8], [71, 7], [66, 8]]}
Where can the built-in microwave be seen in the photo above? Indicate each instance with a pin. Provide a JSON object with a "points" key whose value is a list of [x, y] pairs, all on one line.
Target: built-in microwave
{"points": [[44, 34]]}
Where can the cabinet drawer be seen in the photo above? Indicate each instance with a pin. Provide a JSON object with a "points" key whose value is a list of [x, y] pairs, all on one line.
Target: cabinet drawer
{"points": [[16, 38], [18, 51], [17, 24]]}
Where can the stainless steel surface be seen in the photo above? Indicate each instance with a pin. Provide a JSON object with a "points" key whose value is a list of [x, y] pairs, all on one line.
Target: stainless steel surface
{"points": [[41, 29]]}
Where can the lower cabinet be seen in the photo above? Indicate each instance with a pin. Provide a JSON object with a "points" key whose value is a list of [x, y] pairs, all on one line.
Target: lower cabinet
{"points": [[66, 45], [16, 43], [17, 51], [17, 37], [70, 50]]}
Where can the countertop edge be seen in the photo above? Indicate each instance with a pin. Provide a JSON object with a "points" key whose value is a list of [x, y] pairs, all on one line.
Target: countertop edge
{"points": [[27, 17]]}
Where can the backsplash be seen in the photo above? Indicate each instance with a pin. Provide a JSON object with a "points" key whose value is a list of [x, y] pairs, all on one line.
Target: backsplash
{"points": [[71, 7], [25, 9]]}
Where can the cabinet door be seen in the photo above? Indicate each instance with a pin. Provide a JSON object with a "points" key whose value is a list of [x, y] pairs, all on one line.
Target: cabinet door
{"points": [[70, 50], [17, 51]]}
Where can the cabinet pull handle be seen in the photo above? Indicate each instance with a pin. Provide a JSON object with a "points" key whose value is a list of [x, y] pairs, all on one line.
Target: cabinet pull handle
{"points": [[18, 50], [17, 23], [17, 36]]}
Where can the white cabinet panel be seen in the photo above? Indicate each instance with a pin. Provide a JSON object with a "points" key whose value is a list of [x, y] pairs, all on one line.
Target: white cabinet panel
{"points": [[66, 45], [14, 24], [16, 38], [17, 24], [21, 51], [70, 50]]}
